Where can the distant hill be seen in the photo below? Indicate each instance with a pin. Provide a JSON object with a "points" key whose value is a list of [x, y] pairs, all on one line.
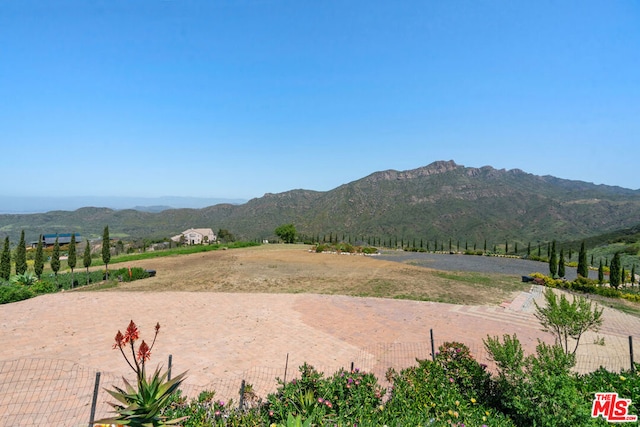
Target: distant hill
{"points": [[23, 204], [440, 201]]}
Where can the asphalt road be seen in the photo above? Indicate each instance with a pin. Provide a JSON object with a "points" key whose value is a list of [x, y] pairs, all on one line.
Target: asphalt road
{"points": [[475, 263]]}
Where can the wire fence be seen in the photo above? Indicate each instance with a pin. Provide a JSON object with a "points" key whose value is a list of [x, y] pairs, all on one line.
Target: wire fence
{"points": [[42, 392]]}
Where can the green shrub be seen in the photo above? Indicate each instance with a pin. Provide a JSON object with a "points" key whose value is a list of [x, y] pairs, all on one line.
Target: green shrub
{"points": [[12, 293], [471, 377], [428, 394], [540, 389], [44, 287], [347, 397], [369, 250]]}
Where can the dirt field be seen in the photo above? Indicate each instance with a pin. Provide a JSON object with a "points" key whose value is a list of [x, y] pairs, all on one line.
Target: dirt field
{"points": [[293, 269]]}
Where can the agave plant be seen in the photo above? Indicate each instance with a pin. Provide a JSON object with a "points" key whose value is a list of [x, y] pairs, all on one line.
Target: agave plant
{"points": [[26, 279], [142, 406]]}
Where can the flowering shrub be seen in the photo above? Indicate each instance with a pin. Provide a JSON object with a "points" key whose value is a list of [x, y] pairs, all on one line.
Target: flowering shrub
{"points": [[429, 394], [453, 390], [345, 397], [142, 406]]}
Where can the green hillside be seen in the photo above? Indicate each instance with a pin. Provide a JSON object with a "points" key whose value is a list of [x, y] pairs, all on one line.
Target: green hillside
{"points": [[440, 201]]}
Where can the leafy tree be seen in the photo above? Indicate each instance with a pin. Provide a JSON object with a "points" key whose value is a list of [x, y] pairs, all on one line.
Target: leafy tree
{"points": [[553, 260], [614, 271], [5, 260], [106, 250], [55, 259], [21, 255], [583, 266], [287, 232], [71, 260], [601, 273], [225, 236], [561, 264], [38, 262], [86, 259], [568, 320]]}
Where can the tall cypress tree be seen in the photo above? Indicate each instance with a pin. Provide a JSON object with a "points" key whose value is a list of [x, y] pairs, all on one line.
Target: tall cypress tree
{"points": [[21, 255], [601, 273], [633, 274], [553, 260], [38, 262], [623, 276], [71, 260], [86, 259], [55, 259], [614, 271], [583, 267], [561, 264], [529, 249], [106, 250], [5, 260], [506, 247]]}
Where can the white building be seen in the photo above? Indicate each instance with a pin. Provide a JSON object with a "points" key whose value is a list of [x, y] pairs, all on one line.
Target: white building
{"points": [[196, 236]]}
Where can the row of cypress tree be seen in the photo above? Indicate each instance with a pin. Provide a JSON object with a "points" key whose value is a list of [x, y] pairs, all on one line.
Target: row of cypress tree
{"points": [[617, 273], [38, 263]]}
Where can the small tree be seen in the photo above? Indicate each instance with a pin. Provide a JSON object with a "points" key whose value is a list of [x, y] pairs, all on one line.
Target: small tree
{"points": [[86, 259], [561, 264], [5, 260], [106, 250], [71, 260], [583, 267], [553, 260], [568, 320], [38, 262], [601, 273], [55, 259], [21, 255], [287, 232], [614, 271], [633, 274]]}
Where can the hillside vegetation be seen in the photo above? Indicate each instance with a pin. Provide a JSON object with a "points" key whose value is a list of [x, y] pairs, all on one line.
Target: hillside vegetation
{"points": [[440, 201]]}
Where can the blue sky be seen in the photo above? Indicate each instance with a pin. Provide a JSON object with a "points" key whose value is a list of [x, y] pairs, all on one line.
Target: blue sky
{"points": [[239, 98]]}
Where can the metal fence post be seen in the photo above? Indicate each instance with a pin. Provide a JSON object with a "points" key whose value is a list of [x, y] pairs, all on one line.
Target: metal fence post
{"points": [[169, 368], [241, 405], [286, 365], [94, 401], [351, 367], [633, 367], [433, 348]]}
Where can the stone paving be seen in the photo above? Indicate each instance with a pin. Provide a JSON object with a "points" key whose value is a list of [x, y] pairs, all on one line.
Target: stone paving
{"points": [[224, 335]]}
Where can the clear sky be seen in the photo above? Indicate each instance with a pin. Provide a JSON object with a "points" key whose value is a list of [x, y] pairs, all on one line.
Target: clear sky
{"points": [[236, 98]]}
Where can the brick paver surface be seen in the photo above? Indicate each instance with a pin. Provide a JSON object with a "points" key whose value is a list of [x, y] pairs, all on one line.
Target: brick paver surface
{"points": [[223, 335]]}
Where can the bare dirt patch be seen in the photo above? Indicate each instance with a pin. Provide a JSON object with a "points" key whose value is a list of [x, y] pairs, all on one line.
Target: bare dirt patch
{"points": [[293, 269]]}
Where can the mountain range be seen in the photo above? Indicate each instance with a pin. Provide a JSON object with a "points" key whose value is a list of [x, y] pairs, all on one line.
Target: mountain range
{"points": [[440, 201]]}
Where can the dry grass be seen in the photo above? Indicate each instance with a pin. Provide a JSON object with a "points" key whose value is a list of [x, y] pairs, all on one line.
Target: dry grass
{"points": [[293, 269]]}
